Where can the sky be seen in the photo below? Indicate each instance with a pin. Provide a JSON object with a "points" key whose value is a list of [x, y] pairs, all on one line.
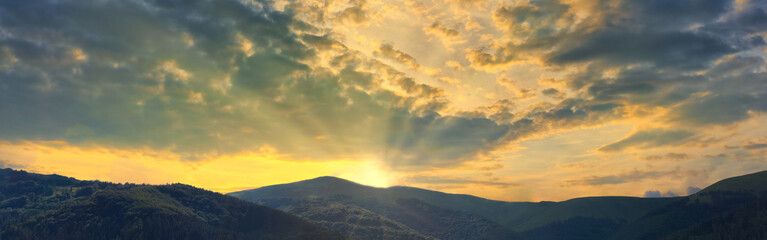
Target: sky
{"points": [[517, 100]]}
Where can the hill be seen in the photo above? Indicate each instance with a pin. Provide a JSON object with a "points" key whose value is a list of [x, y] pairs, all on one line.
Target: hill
{"points": [[580, 218], [731, 207], [34, 206], [721, 208], [419, 216]]}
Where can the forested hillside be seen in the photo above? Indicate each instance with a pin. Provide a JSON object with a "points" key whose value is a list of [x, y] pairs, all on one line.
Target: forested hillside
{"points": [[34, 206]]}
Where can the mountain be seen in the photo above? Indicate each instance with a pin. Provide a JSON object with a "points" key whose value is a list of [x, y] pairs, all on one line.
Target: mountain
{"points": [[394, 204], [34, 206], [581, 218], [733, 208], [721, 209], [746, 222]]}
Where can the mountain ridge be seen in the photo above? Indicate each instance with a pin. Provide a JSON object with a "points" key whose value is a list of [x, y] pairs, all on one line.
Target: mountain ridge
{"points": [[36, 206], [595, 217]]}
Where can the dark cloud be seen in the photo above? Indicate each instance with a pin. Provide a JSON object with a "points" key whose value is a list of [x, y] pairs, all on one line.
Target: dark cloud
{"points": [[553, 93], [650, 138], [755, 146], [674, 14], [687, 55], [687, 50], [719, 109]]}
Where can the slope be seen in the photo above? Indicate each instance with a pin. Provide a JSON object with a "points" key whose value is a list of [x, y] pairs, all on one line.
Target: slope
{"points": [[34, 206], [608, 213], [708, 204], [423, 217]]}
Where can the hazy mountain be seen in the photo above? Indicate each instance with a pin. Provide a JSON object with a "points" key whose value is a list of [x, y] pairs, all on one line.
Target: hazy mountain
{"points": [[34, 206]]}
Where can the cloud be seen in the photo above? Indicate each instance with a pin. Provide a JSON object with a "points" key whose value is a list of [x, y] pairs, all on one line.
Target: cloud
{"points": [[721, 109], [692, 190], [553, 93], [388, 51], [426, 139], [753, 144], [203, 79], [448, 36], [436, 180], [356, 14], [668, 156], [657, 194], [631, 176], [650, 138], [8, 164], [661, 52], [675, 49], [619, 178], [537, 18], [511, 85]]}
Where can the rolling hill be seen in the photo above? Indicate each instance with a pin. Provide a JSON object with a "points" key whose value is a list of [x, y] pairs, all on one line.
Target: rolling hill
{"points": [[733, 199], [34, 206], [582, 218], [419, 216]]}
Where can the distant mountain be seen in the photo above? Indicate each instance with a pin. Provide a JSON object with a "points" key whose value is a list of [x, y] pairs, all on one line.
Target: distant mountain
{"points": [[34, 206], [728, 207]]}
